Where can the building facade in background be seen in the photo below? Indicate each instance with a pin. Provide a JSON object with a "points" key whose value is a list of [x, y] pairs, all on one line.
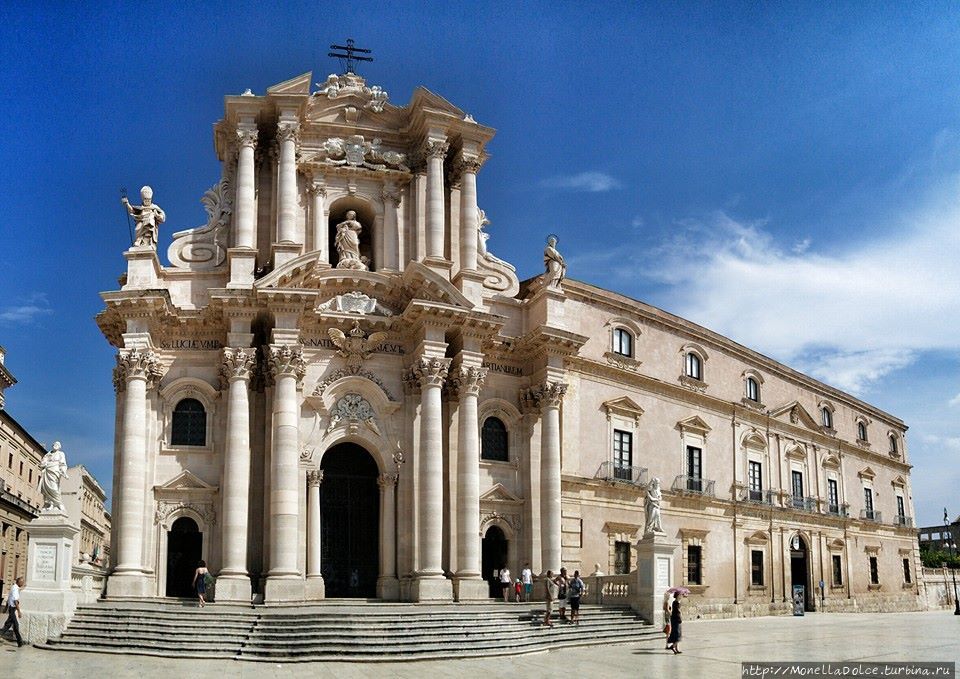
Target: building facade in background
{"points": [[84, 500], [336, 389]]}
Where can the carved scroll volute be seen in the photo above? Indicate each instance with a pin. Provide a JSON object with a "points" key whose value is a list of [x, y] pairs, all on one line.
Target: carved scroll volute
{"points": [[314, 477], [247, 137], [284, 360], [431, 372], [436, 148], [136, 364], [467, 381], [546, 395], [237, 364]]}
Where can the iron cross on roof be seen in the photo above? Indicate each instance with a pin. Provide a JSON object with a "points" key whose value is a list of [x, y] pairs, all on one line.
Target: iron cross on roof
{"points": [[347, 60]]}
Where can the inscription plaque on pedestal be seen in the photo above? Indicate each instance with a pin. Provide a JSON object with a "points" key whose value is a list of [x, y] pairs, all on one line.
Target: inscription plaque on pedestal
{"points": [[45, 567]]}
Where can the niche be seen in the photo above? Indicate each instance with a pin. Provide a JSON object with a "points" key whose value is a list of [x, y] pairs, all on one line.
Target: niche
{"points": [[366, 217]]}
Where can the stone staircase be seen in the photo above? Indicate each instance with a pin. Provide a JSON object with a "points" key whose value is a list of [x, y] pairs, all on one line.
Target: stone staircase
{"points": [[355, 631]]}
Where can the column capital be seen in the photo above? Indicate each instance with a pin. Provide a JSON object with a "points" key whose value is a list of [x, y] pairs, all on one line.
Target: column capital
{"points": [[285, 360], [136, 364], [393, 196], [314, 478], [430, 371], [317, 187], [435, 148], [387, 480], [288, 131], [546, 395], [247, 137], [237, 364], [468, 163], [468, 380]]}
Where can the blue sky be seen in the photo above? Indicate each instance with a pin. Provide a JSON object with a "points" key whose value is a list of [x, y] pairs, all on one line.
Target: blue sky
{"points": [[787, 174]]}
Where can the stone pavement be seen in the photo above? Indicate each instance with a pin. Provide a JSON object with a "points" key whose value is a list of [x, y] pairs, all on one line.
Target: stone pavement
{"points": [[711, 648]]}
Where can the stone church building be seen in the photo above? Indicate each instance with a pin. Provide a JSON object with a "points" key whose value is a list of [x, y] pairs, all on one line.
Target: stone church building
{"points": [[334, 389]]}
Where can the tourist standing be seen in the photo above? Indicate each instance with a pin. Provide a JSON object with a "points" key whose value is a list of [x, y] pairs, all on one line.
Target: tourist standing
{"points": [[517, 589], [673, 641], [13, 611], [200, 581], [506, 583], [526, 577], [575, 590], [549, 594], [562, 593]]}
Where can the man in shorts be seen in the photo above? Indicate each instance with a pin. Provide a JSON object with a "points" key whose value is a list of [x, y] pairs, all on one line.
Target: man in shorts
{"points": [[574, 591], [526, 577], [550, 594]]}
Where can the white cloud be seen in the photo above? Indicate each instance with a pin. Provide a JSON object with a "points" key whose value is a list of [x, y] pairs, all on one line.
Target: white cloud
{"points": [[801, 246], [637, 222], [592, 182], [954, 402], [25, 312]]}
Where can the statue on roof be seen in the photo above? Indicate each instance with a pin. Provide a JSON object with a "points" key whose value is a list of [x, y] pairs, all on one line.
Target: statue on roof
{"points": [[148, 216], [553, 261], [347, 242]]}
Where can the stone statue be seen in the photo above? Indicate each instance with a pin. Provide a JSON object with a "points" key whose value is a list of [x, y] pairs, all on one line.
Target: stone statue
{"points": [[348, 243], [148, 216], [651, 507], [553, 261], [53, 468]]}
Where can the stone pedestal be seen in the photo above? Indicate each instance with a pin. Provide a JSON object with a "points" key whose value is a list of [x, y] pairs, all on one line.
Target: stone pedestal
{"points": [[234, 588], [243, 262], [47, 601], [471, 589], [281, 590], [315, 588], [388, 588], [284, 252], [431, 588], [470, 283], [656, 557], [143, 268]]}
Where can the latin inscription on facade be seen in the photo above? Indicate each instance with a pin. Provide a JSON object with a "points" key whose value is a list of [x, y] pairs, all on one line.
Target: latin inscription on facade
{"points": [[45, 567], [326, 343], [193, 344], [504, 369]]}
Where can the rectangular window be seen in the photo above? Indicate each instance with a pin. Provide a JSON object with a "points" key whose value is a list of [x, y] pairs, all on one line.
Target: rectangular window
{"points": [[21, 467], [837, 570], [901, 512], [906, 571], [756, 567], [621, 556], [622, 454], [797, 479], [10, 460], [694, 572], [622, 342], [694, 469], [30, 475], [756, 481], [874, 571], [833, 496], [868, 500]]}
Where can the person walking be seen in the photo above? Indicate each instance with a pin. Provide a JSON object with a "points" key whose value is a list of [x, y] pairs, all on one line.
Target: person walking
{"points": [[673, 641], [517, 590], [549, 595], [506, 582], [526, 577], [200, 581], [14, 612], [574, 591], [562, 593]]}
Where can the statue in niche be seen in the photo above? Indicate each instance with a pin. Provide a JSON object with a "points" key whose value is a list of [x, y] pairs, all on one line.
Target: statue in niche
{"points": [[347, 242], [651, 506], [53, 468], [553, 261], [148, 217]]}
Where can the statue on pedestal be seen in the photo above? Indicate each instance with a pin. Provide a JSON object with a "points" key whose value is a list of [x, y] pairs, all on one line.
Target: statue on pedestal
{"points": [[347, 242], [53, 468], [651, 507], [148, 216], [553, 261]]}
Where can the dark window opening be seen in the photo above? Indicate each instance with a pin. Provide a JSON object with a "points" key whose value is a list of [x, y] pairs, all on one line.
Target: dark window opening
{"points": [[694, 571], [494, 440], [622, 454], [621, 556], [189, 424], [837, 570], [874, 571]]}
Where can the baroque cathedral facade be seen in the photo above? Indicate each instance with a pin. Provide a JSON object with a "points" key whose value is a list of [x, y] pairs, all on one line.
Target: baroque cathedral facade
{"points": [[335, 389]]}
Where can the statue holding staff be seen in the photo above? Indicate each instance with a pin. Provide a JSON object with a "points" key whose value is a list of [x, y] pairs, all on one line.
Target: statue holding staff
{"points": [[148, 217]]}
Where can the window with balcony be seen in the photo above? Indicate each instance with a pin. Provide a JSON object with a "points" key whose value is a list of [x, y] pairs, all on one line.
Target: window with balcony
{"points": [[622, 454], [694, 565], [755, 480], [189, 424], [695, 469], [837, 563], [756, 568], [622, 342], [833, 497], [796, 479], [868, 501]]}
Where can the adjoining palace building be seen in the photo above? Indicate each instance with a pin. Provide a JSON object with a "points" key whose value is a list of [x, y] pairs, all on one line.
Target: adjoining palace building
{"points": [[335, 389]]}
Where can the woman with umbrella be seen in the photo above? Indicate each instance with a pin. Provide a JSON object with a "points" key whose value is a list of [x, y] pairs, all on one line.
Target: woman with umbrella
{"points": [[673, 640]]}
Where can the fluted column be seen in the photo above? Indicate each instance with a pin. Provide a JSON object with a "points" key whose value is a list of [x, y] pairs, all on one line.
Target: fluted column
{"points": [[469, 215], [314, 479], [135, 372], [548, 397], [468, 382], [287, 366], [235, 372], [321, 235], [388, 528], [288, 135], [431, 373], [436, 151], [246, 193], [391, 230]]}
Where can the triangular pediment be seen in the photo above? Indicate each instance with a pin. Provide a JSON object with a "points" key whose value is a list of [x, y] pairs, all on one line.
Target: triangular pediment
{"points": [[623, 406], [795, 413], [695, 424], [297, 85], [499, 494], [424, 98], [186, 480], [899, 482], [867, 473]]}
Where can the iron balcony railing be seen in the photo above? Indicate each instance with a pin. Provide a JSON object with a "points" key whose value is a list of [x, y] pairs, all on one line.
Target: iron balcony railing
{"points": [[870, 515], [612, 471], [838, 510], [804, 504], [904, 521], [693, 484], [760, 497]]}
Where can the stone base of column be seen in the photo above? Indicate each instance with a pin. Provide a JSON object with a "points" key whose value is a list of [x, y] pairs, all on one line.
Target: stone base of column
{"points": [[440, 265], [130, 585], [143, 268], [242, 261], [280, 589], [388, 589], [656, 557], [284, 252], [431, 588], [235, 588], [470, 283], [471, 588], [315, 588]]}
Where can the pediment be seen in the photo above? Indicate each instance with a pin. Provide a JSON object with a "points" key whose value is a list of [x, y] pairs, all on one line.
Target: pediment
{"points": [[695, 424], [424, 98], [625, 406], [185, 480], [899, 482], [500, 494], [867, 473], [795, 413], [758, 538], [298, 85]]}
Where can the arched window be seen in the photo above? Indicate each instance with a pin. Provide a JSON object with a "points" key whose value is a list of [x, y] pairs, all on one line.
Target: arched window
{"points": [[622, 342], [494, 440], [893, 444], [693, 366], [861, 431], [189, 424], [753, 390], [826, 416]]}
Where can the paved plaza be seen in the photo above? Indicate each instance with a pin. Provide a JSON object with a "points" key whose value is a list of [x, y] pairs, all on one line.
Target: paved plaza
{"points": [[711, 648]]}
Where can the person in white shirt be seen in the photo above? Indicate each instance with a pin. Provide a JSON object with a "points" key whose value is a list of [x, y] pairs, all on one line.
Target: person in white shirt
{"points": [[506, 582], [13, 611], [526, 577]]}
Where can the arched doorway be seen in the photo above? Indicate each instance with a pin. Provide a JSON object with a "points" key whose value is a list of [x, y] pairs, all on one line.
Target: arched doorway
{"points": [[800, 570], [349, 523], [493, 558], [184, 551], [367, 218]]}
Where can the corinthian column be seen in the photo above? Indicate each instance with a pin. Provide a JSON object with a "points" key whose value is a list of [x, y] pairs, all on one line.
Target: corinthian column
{"points": [[469, 228], [321, 236], [287, 366], [234, 580], [431, 374], [288, 135], [548, 397], [391, 227], [387, 585], [436, 151], [314, 479], [468, 382], [135, 372], [246, 196]]}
